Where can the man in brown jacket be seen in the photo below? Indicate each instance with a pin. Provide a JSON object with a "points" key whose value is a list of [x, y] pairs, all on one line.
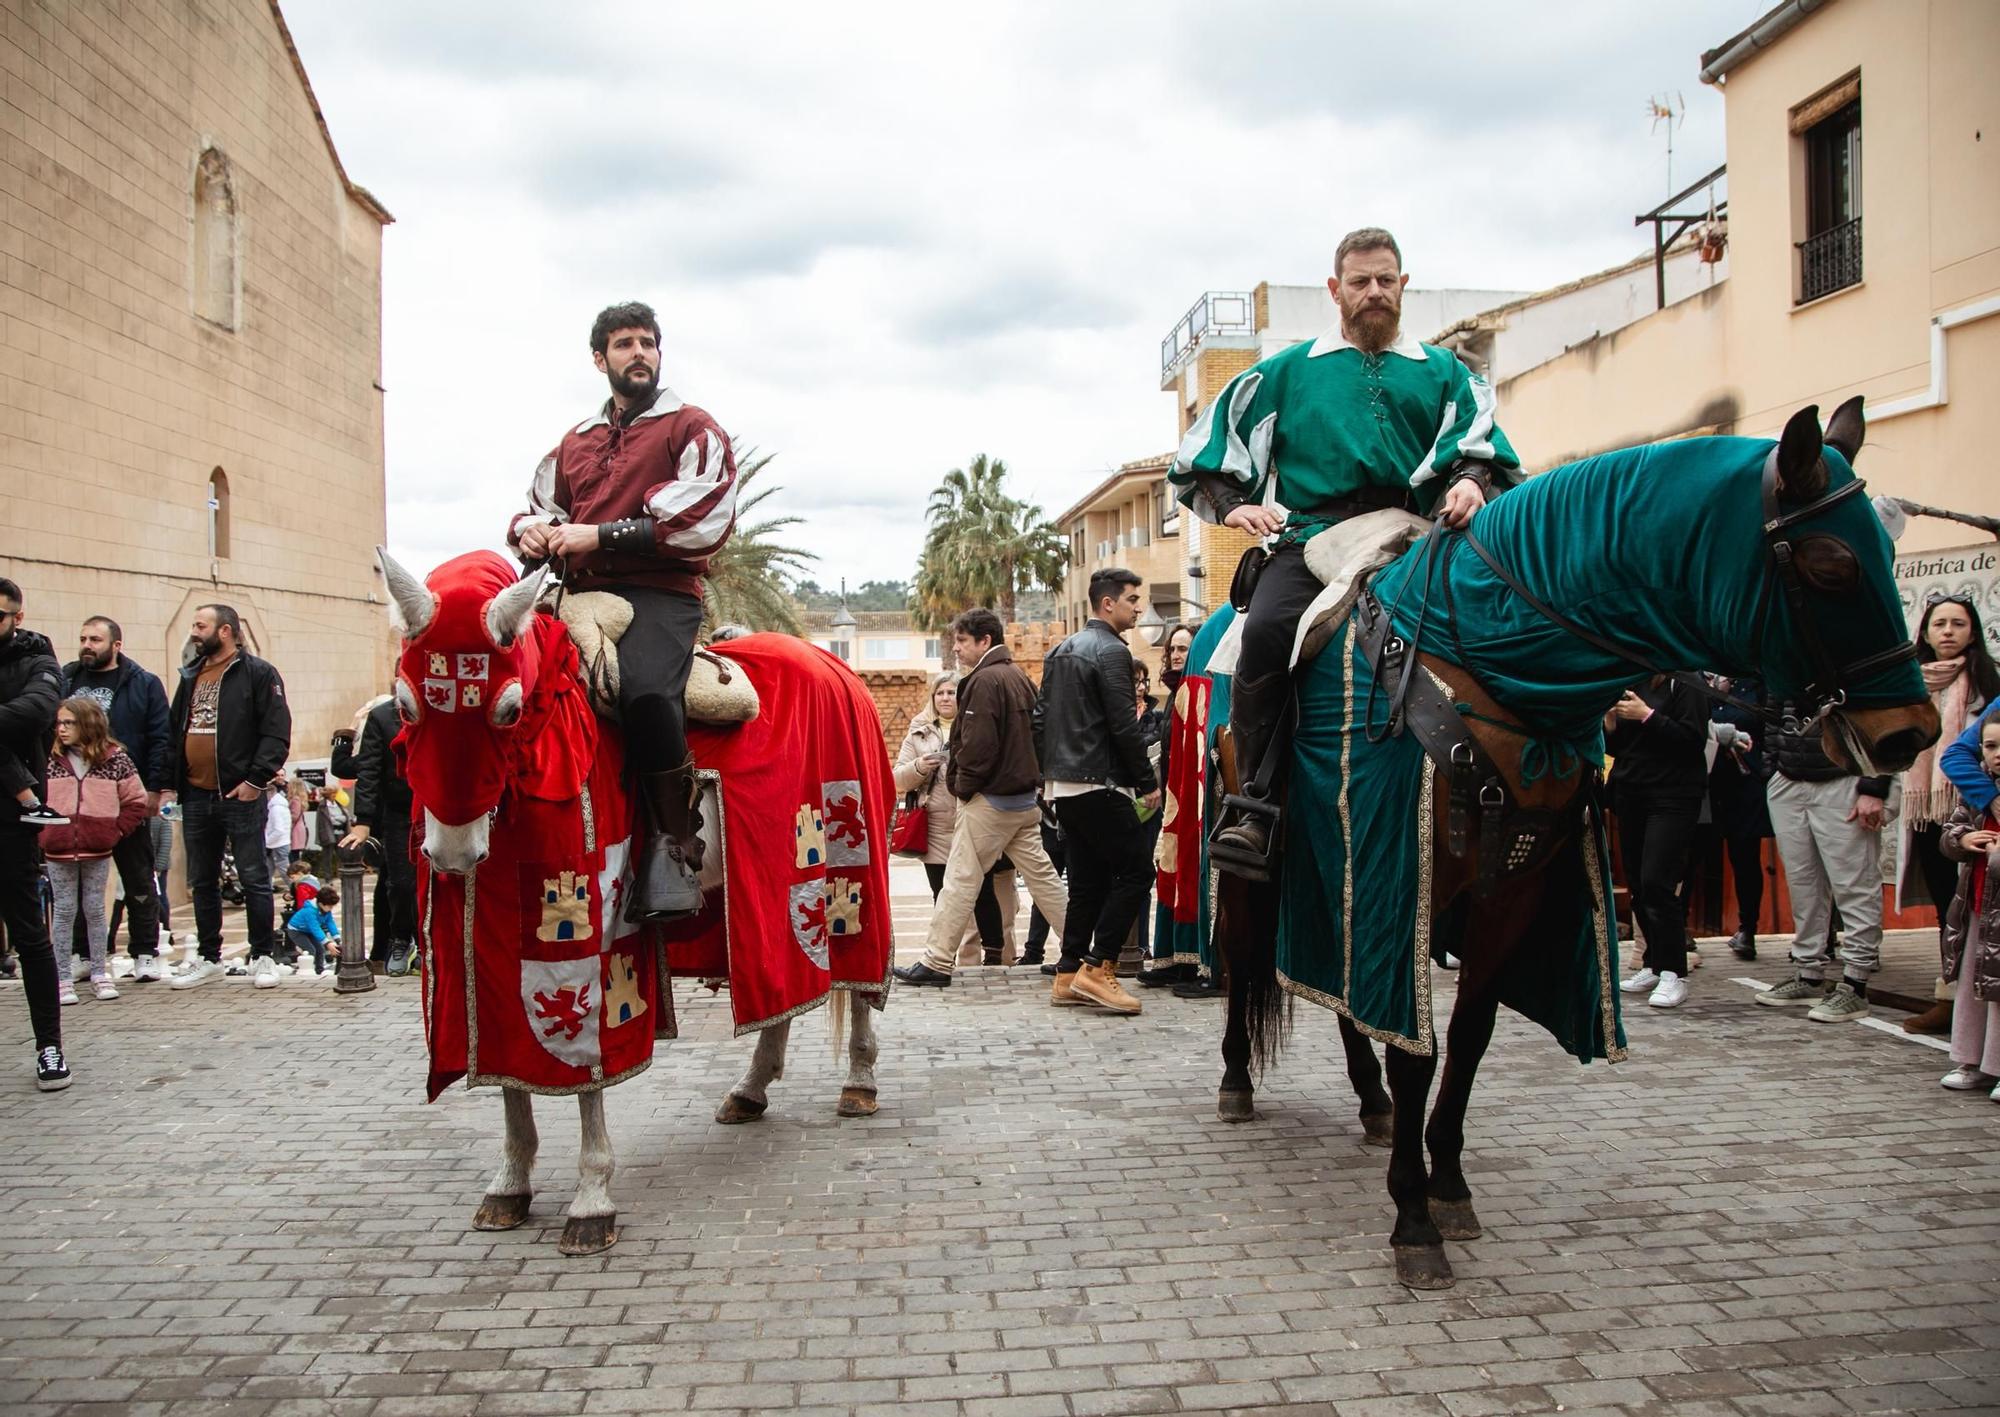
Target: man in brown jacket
{"points": [[993, 772]]}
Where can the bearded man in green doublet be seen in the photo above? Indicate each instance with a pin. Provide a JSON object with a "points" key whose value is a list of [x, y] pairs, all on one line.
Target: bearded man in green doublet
{"points": [[1362, 418]]}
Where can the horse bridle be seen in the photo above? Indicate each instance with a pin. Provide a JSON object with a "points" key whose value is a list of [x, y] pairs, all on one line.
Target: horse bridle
{"points": [[1828, 688]]}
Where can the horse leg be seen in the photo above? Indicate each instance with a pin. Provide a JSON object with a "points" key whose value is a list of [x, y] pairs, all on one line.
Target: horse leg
{"points": [[593, 1216], [857, 1098], [745, 1102], [1471, 1030], [1235, 1100], [505, 1204], [1364, 1074], [1416, 1243]]}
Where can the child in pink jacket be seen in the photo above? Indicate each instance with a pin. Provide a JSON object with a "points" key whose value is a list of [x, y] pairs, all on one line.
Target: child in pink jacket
{"points": [[95, 785]]}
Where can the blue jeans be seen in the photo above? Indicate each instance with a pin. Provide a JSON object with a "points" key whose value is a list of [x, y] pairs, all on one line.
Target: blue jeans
{"points": [[207, 821], [305, 944]]}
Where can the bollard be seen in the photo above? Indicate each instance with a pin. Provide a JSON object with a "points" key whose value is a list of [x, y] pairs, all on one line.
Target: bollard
{"points": [[354, 975]]}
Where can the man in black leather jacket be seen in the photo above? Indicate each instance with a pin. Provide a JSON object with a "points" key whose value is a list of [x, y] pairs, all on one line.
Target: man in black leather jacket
{"points": [[382, 807], [1101, 785]]}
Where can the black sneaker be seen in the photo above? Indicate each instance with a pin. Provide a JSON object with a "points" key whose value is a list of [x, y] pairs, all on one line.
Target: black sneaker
{"points": [[1743, 944], [41, 815], [1198, 988], [51, 1072]]}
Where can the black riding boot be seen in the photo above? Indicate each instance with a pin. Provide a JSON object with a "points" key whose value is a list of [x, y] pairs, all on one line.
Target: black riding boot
{"points": [[667, 883], [1244, 837]]}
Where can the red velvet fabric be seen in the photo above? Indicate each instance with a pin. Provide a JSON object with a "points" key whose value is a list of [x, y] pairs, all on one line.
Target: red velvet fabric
{"points": [[1179, 879], [799, 902]]}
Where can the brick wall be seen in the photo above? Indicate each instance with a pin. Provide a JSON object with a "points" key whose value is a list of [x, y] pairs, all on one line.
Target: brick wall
{"points": [[117, 399], [900, 695]]}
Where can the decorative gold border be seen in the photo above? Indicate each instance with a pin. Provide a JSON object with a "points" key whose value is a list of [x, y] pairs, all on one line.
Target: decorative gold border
{"points": [[589, 819], [789, 1014], [594, 1085], [1425, 1043], [1607, 966], [471, 880]]}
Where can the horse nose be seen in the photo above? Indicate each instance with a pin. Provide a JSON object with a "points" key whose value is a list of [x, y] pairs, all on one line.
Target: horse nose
{"points": [[1897, 750]]}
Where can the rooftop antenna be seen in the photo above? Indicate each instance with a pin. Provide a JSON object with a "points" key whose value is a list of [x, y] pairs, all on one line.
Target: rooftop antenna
{"points": [[1670, 109]]}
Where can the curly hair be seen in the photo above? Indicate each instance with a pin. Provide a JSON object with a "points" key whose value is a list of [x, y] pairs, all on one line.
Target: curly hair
{"points": [[631, 315]]}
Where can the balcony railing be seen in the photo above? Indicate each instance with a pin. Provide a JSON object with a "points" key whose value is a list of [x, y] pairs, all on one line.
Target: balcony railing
{"points": [[1219, 312], [1830, 261]]}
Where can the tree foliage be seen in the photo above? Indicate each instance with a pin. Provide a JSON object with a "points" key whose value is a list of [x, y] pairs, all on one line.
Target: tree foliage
{"points": [[748, 580], [983, 547]]}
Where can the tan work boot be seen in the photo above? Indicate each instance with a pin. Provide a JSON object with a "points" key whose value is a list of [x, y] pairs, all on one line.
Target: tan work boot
{"points": [[1061, 993], [1098, 984]]}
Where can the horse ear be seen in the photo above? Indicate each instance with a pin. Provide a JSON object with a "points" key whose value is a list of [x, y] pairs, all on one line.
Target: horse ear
{"points": [[411, 604], [509, 612], [1801, 474], [1847, 429]]}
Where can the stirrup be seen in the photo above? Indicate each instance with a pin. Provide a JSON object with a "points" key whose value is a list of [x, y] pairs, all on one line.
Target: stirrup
{"points": [[1239, 860]]}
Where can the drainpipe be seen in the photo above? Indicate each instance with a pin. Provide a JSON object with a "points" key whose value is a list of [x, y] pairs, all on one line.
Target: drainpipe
{"points": [[1937, 394]]}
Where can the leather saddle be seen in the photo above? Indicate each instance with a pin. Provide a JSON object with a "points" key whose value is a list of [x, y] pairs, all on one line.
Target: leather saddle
{"points": [[718, 692]]}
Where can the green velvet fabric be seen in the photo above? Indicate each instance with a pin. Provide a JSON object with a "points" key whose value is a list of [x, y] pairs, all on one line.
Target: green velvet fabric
{"points": [[1657, 549]]}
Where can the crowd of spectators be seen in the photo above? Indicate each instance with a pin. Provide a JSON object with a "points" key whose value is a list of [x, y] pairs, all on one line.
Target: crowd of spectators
{"points": [[100, 765]]}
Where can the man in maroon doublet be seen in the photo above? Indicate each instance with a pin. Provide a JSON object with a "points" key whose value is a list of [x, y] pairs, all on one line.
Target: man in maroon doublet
{"points": [[634, 501]]}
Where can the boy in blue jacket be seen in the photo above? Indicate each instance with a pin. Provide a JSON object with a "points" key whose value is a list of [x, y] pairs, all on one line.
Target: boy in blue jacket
{"points": [[313, 929]]}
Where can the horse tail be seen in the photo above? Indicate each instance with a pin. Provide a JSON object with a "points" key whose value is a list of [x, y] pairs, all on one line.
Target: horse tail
{"points": [[836, 1017], [1246, 929]]}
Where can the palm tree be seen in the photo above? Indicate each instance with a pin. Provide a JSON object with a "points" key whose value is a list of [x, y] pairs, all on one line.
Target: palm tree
{"points": [[983, 547], [747, 580]]}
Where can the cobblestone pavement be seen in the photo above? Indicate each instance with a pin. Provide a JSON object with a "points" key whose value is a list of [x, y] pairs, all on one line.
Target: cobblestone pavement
{"points": [[244, 1206]]}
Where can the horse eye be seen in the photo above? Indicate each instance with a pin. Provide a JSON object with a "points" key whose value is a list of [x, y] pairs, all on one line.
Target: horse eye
{"points": [[507, 708], [1827, 564]]}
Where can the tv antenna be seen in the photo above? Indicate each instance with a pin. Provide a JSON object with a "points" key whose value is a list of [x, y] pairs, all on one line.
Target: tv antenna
{"points": [[1670, 109]]}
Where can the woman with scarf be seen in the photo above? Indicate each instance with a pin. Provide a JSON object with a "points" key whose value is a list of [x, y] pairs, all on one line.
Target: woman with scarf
{"points": [[1962, 679], [1160, 946], [920, 769]]}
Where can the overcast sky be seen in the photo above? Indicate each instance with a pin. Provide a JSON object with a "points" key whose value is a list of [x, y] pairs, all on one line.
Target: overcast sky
{"points": [[883, 238]]}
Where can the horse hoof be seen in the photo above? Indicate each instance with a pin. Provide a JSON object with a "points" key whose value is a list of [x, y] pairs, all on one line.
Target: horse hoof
{"points": [[501, 1212], [856, 1102], [588, 1234], [736, 1108], [1378, 1129], [1236, 1106], [1455, 1220], [1422, 1267]]}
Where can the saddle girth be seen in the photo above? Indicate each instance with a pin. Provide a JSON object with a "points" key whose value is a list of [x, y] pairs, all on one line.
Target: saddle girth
{"points": [[1511, 838]]}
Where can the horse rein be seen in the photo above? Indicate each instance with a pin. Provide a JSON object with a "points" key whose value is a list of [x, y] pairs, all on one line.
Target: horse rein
{"points": [[1827, 691]]}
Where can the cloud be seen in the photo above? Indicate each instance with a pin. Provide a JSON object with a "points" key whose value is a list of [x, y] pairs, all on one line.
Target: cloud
{"points": [[884, 238]]}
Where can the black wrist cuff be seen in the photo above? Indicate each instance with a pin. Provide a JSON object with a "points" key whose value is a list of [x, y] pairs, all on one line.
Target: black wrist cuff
{"points": [[635, 534], [1476, 473]]}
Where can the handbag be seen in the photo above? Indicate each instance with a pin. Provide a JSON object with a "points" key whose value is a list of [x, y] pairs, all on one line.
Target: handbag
{"points": [[911, 834]]}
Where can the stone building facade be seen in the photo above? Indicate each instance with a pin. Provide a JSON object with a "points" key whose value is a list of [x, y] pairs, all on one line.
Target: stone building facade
{"points": [[190, 344]]}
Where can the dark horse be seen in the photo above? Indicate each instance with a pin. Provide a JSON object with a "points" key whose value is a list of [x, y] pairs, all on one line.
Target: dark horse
{"points": [[1737, 555]]}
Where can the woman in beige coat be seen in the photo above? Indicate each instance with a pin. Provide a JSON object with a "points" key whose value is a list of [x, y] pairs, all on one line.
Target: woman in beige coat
{"points": [[920, 769]]}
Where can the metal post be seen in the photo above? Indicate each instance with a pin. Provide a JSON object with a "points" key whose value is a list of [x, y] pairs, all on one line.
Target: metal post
{"points": [[354, 976]]}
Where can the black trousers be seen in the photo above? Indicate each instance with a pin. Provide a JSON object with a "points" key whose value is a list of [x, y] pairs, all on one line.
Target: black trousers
{"points": [[1940, 872], [395, 903], [1654, 833], [1284, 589], [207, 821], [133, 860], [985, 908], [1038, 923], [654, 657], [28, 929], [1110, 873]]}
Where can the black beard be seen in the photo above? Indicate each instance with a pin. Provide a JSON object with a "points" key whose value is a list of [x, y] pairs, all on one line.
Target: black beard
{"points": [[204, 648], [635, 391], [87, 658]]}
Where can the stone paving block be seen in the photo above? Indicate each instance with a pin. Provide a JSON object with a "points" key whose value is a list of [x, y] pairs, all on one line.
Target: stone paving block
{"points": [[1673, 1237]]}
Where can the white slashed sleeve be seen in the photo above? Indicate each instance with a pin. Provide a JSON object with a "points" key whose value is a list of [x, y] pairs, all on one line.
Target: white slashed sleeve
{"points": [[544, 508], [694, 513]]}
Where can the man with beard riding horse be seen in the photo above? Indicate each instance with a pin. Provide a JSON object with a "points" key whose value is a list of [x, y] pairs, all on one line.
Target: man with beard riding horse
{"points": [[1361, 419], [634, 501]]}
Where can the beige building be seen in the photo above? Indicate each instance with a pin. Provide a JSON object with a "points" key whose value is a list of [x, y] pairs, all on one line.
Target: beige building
{"points": [[190, 344], [876, 640], [1862, 230], [1129, 519]]}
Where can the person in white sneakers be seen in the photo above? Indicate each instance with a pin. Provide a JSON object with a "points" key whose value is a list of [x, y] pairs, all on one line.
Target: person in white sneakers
{"points": [[94, 783], [1657, 736]]}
